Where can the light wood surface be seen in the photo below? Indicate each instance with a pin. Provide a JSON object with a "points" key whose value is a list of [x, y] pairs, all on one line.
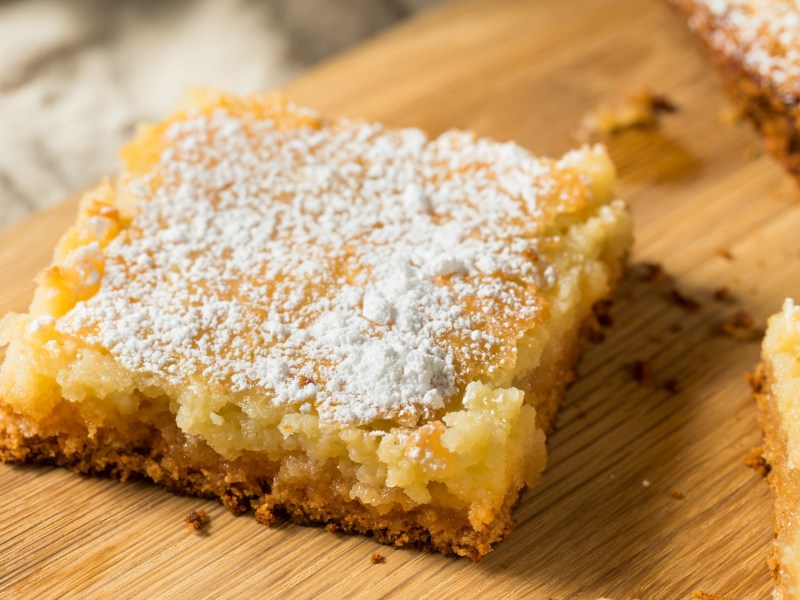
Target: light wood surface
{"points": [[608, 518]]}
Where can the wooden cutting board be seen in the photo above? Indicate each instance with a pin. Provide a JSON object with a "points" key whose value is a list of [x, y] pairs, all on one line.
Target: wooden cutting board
{"points": [[647, 494]]}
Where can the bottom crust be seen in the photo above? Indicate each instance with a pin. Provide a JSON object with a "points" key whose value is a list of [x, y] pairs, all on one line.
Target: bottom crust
{"points": [[302, 490], [305, 497], [783, 482]]}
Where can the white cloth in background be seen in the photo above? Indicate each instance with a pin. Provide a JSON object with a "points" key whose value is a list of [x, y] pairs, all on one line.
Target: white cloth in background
{"points": [[77, 75]]}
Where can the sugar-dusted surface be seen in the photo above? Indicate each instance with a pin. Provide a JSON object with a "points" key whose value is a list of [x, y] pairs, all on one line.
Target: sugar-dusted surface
{"points": [[764, 33], [339, 267]]}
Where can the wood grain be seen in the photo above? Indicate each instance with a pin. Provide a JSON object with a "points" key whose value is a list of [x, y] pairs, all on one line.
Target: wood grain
{"points": [[647, 494]]}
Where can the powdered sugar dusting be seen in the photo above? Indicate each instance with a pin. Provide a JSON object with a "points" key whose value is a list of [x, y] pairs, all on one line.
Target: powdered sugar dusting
{"points": [[765, 34], [341, 267], [790, 309]]}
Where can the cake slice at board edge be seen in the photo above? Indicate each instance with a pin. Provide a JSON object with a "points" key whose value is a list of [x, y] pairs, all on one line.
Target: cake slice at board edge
{"points": [[777, 391], [756, 46], [324, 319]]}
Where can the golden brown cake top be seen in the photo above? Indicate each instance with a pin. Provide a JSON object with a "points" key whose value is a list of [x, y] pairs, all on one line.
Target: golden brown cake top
{"points": [[341, 267], [763, 34]]}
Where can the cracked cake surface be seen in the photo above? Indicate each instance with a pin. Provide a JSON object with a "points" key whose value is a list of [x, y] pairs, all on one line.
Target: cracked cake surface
{"points": [[324, 318]]}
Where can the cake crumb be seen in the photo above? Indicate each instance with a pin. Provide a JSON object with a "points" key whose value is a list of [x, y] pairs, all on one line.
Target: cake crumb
{"points": [[701, 595], [672, 386], [741, 319], [652, 272], [641, 371], [741, 326], [685, 302], [639, 108], [646, 483], [331, 528], [676, 494], [602, 313], [377, 558], [722, 294], [756, 461], [725, 253], [196, 520]]}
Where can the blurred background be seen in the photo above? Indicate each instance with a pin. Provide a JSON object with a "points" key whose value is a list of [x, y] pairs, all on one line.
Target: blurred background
{"points": [[77, 75]]}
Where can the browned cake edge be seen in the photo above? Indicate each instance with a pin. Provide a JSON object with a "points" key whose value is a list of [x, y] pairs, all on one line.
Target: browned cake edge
{"points": [[141, 450], [782, 480], [773, 114], [243, 487]]}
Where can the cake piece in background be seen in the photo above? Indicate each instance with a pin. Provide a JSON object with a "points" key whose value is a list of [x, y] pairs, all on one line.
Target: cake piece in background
{"points": [[756, 45], [777, 388]]}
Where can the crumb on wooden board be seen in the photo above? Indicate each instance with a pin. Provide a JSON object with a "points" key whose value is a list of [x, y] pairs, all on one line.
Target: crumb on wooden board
{"points": [[722, 294], [740, 325], [641, 372], [196, 520], [687, 303], [672, 385], [637, 108], [651, 272], [602, 313]]}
